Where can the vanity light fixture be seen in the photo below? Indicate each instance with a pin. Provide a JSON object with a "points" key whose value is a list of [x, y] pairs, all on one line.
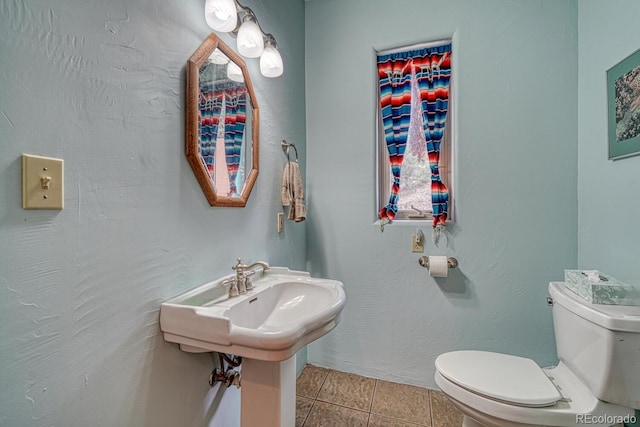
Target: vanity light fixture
{"points": [[229, 16], [234, 72], [250, 41], [271, 61], [221, 15], [218, 57]]}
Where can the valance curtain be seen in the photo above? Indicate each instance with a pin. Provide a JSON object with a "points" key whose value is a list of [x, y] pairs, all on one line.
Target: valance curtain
{"points": [[432, 69]]}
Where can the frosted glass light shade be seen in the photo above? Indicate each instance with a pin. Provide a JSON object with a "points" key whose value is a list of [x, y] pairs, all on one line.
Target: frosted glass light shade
{"points": [[271, 62], [234, 72], [250, 41], [217, 57], [221, 15]]}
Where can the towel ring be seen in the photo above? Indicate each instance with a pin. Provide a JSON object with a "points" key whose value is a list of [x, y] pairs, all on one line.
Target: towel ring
{"points": [[286, 146]]}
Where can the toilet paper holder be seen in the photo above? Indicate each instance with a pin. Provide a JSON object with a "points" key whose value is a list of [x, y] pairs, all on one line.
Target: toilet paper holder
{"points": [[451, 262]]}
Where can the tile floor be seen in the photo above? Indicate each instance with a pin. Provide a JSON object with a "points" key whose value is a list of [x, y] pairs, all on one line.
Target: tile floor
{"points": [[328, 398]]}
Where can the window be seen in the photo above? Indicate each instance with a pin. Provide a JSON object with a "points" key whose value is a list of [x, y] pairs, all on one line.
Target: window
{"points": [[414, 136]]}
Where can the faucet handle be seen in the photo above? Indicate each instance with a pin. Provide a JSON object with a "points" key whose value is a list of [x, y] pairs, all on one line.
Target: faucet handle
{"points": [[235, 267], [233, 289], [248, 283]]}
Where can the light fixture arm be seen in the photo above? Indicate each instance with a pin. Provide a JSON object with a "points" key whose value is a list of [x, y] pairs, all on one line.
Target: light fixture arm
{"points": [[269, 40], [245, 13]]}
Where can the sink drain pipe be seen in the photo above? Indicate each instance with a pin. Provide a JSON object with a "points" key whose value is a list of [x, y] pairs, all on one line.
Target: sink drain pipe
{"points": [[226, 373]]}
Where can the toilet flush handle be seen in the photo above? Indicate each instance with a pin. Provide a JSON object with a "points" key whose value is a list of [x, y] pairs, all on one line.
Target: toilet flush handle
{"points": [[549, 301]]}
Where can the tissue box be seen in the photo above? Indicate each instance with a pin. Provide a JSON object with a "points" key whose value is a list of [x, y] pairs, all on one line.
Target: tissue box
{"points": [[598, 288]]}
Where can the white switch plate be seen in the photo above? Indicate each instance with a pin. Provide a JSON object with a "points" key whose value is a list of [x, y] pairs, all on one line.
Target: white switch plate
{"points": [[42, 182]]}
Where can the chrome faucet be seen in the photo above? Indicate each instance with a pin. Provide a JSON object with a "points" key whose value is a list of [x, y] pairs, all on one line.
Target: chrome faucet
{"points": [[242, 281]]}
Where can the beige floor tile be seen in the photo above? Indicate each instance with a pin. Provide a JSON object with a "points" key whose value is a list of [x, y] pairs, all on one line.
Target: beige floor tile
{"points": [[445, 414], [353, 391], [345, 400], [303, 407], [403, 402], [310, 381], [326, 415], [380, 421]]}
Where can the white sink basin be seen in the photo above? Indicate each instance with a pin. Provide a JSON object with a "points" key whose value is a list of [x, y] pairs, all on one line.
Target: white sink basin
{"points": [[285, 311]]}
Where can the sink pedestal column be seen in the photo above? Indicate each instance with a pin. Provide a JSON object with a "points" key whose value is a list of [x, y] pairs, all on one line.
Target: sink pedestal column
{"points": [[268, 393]]}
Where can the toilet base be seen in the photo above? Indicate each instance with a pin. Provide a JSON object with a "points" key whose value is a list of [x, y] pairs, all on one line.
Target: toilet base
{"points": [[488, 420], [470, 422], [475, 418]]}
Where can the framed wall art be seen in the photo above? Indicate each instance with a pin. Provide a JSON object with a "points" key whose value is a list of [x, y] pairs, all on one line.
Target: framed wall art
{"points": [[623, 96]]}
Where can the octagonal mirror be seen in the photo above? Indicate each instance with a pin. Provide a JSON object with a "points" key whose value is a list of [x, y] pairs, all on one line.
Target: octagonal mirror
{"points": [[222, 124]]}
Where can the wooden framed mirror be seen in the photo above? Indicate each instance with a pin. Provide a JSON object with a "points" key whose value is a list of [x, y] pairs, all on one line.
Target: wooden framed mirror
{"points": [[222, 124]]}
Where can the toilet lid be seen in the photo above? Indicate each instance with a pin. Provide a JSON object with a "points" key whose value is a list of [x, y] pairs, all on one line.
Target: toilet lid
{"points": [[503, 377]]}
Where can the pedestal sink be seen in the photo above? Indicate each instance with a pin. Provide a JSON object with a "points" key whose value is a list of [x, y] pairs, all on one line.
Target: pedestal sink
{"points": [[285, 311]]}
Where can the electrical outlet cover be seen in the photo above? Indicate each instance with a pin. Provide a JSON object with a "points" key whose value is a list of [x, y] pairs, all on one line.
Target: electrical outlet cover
{"points": [[280, 222], [417, 247]]}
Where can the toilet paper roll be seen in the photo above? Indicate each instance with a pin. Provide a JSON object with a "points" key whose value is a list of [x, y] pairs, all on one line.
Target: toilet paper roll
{"points": [[438, 266]]}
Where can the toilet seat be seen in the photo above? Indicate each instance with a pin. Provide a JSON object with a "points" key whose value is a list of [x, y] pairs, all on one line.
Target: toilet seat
{"points": [[577, 400], [502, 377]]}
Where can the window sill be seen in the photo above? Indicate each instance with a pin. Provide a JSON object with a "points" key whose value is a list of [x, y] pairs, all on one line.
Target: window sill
{"points": [[409, 222]]}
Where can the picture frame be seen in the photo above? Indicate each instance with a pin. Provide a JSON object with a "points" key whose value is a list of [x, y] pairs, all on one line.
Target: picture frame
{"points": [[623, 110]]}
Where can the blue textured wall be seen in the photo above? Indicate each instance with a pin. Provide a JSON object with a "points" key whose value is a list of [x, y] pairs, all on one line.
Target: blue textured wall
{"points": [[101, 85], [608, 202], [516, 171]]}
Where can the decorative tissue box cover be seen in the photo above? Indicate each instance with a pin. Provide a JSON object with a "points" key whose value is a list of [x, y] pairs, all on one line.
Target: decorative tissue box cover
{"points": [[606, 290]]}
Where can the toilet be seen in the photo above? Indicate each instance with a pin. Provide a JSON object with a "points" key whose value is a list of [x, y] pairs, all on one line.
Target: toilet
{"points": [[596, 382]]}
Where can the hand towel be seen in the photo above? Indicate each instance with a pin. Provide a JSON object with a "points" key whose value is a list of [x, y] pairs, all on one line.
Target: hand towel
{"points": [[292, 192]]}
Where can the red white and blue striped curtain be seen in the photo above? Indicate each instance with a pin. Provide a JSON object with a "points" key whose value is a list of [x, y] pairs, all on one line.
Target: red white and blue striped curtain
{"points": [[432, 69], [210, 109], [235, 121]]}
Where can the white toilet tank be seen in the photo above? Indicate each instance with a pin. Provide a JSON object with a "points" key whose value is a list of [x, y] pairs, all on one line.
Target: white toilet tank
{"points": [[600, 343]]}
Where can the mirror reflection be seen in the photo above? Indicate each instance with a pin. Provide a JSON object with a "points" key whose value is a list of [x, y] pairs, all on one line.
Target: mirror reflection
{"points": [[223, 128], [222, 118]]}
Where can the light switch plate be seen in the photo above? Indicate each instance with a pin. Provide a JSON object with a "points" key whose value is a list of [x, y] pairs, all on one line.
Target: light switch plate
{"points": [[42, 182]]}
